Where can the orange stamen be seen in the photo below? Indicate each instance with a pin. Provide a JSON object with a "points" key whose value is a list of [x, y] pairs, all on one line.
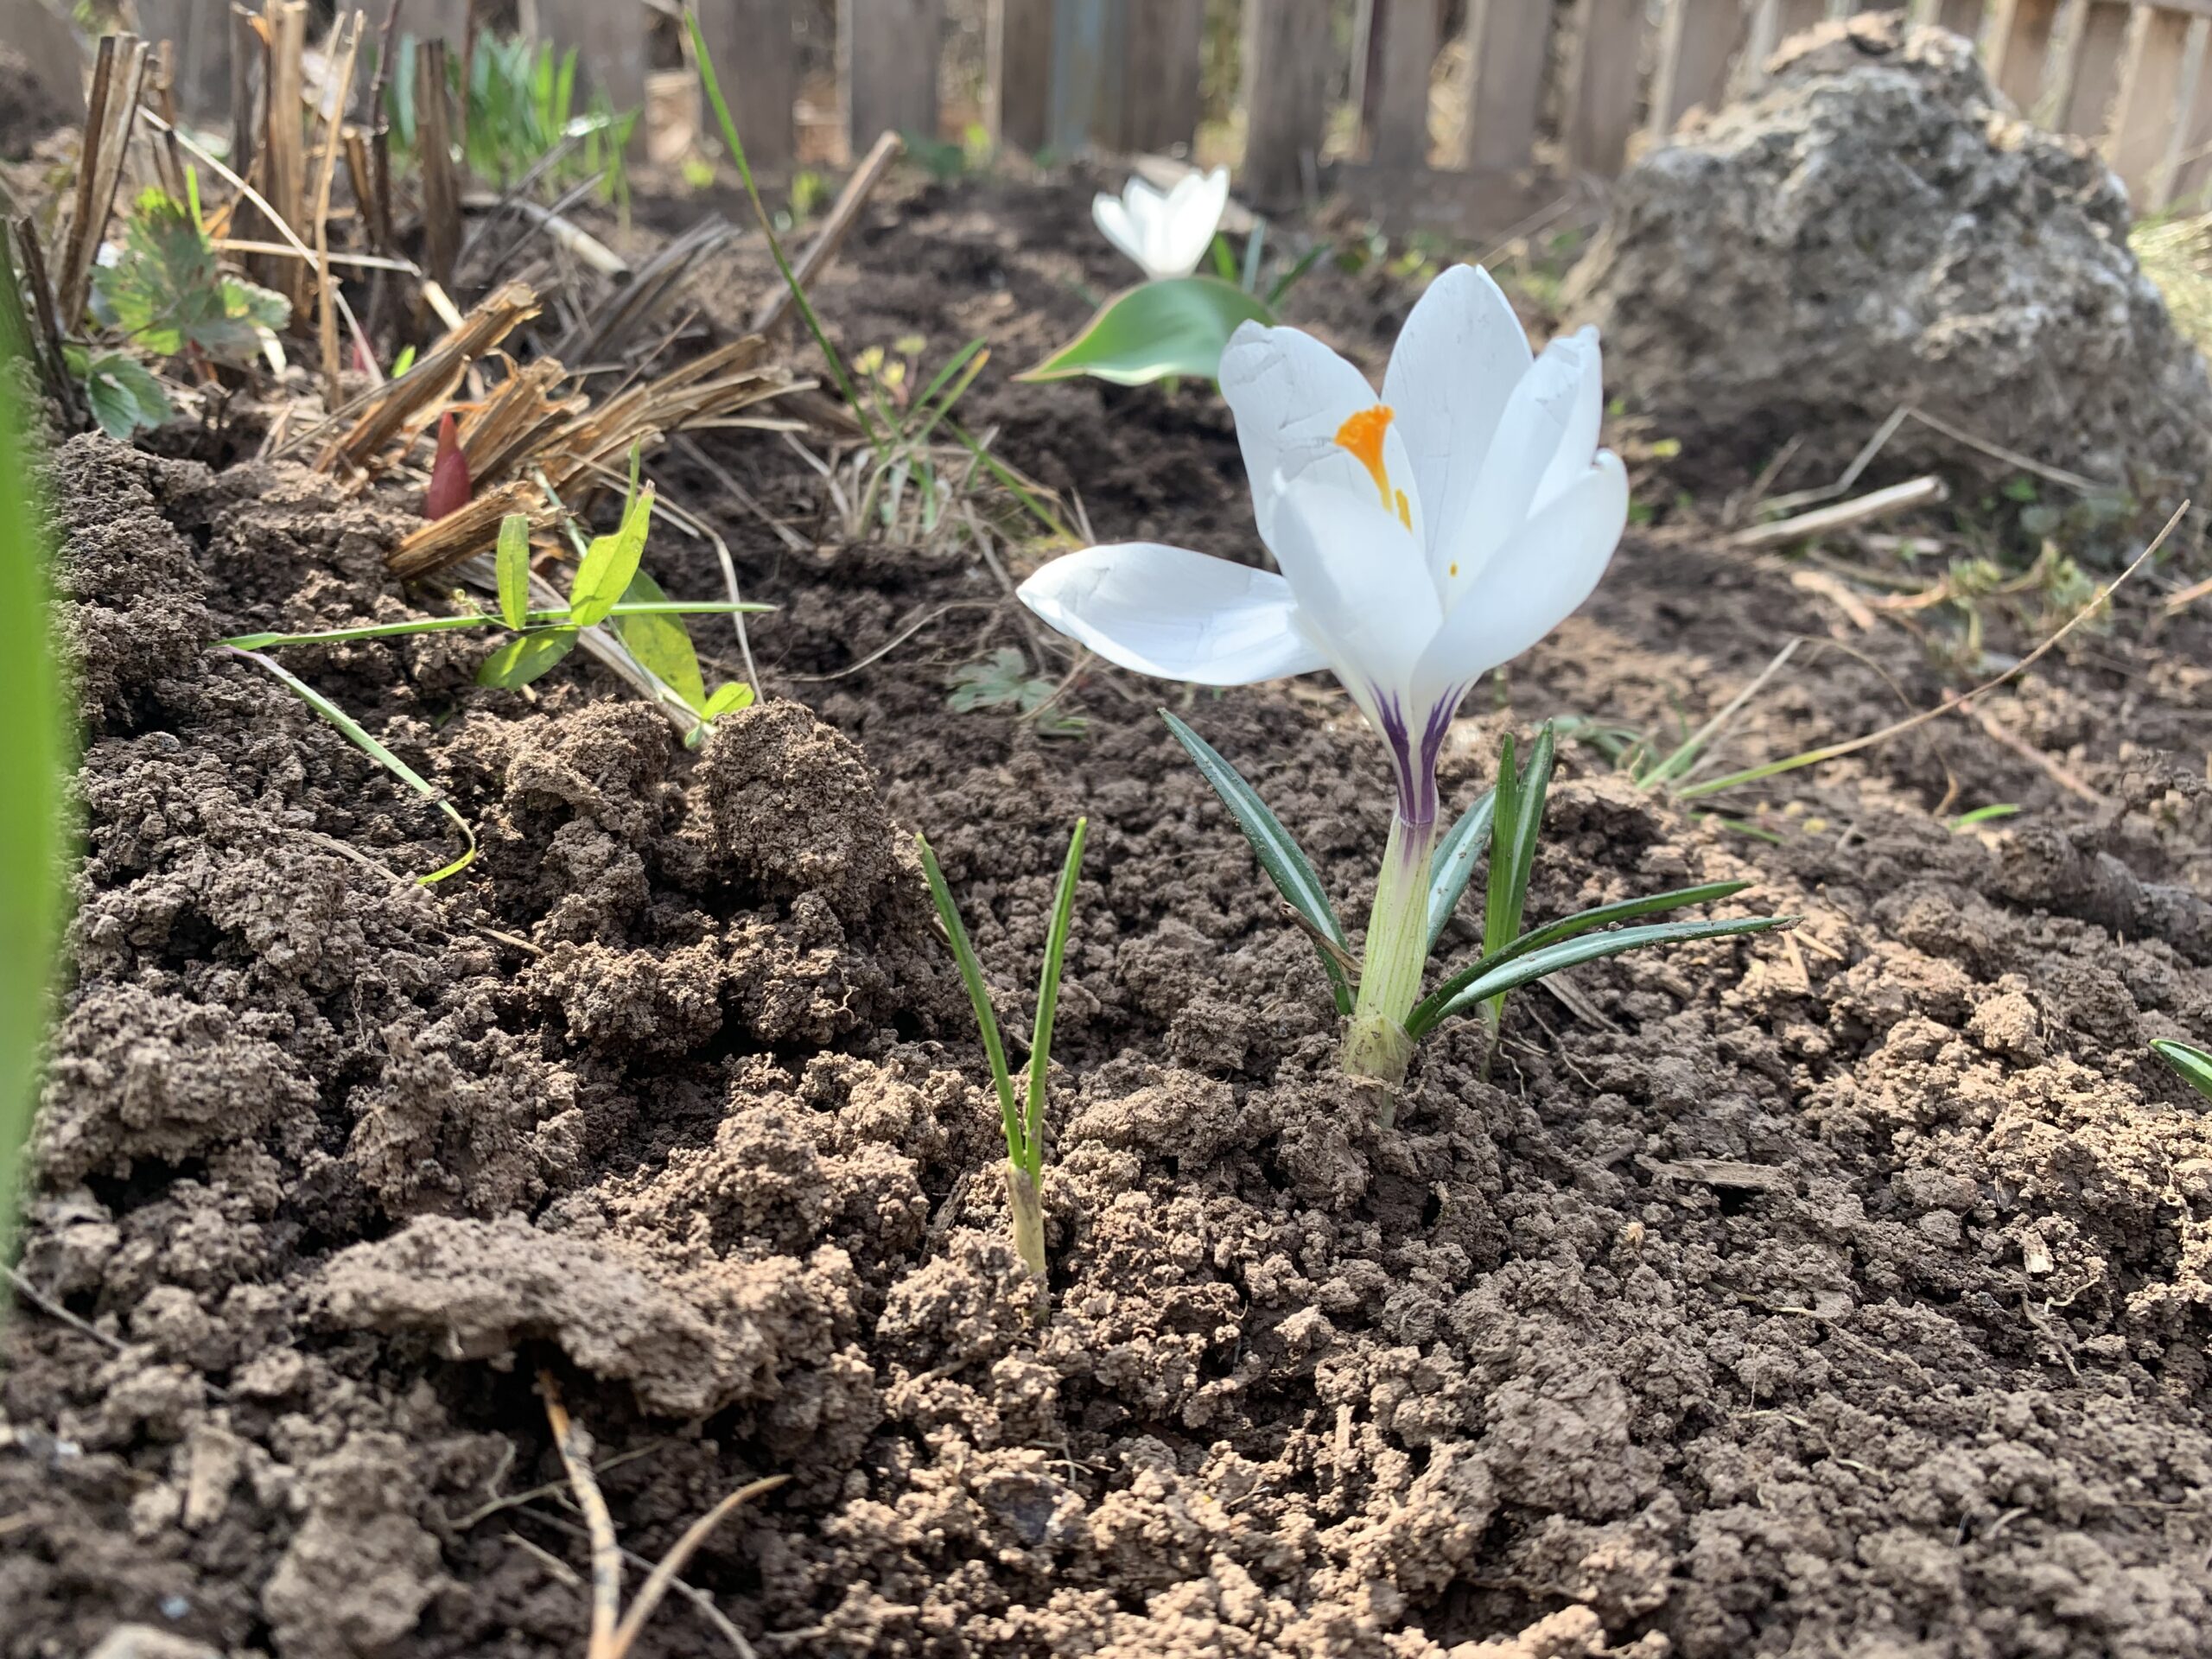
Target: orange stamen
{"points": [[1361, 435]]}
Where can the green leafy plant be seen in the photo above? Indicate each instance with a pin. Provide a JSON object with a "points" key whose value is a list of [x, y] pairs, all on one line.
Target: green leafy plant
{"points": [[1024, 1117], [124, 396], [169, 297], [2194, 1064], [32, 765], [523, 114], [1002, 680], [1506, 820], [1156, 330]]}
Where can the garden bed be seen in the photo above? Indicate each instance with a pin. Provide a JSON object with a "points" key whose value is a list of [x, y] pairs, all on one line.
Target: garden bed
{"points": [[1837, 1292]]}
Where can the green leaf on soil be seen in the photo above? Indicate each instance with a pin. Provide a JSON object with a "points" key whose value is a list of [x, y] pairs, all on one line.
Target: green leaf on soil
{"points": [[661, 643], [609, 564], [513, 564], [124, 396], [729, 696], [526, 657], [1155, 330]]}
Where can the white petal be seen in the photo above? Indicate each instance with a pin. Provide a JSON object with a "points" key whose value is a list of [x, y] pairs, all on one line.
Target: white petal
{"points": [[1530, 430], [1173, 613], [1361, 585], [1536, 580], [1579, 439], [1111, 215], [1456, 361], [1194, 209], [1289, 393]]}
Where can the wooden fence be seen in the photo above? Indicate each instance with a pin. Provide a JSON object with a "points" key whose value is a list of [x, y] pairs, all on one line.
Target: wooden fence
{"points": [[1545, 95]]}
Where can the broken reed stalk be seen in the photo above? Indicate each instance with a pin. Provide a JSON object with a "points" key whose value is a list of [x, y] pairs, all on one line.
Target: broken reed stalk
{"points": [[425, 388], [334, 111], [843, 214], [614, 1631], [283, 155], [117, 74], [441, 226]]}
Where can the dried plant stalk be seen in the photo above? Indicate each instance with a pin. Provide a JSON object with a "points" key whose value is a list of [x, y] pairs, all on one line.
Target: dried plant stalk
{"points": [[414, 399], [284, 153], [444, 543], [117, 74], [339, 88], [441, 226]]}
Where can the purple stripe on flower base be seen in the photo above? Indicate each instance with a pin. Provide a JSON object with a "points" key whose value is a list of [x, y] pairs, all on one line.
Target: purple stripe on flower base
{"points": [[1415, 768]]}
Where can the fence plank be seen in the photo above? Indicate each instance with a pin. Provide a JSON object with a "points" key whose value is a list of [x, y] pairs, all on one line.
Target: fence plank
{"points": [[756, 61], [2093, 69], [2196, 170], [609, 36], [1086, 74], [1697, 41], [2146, 130], [887, 67], [2019, 39], [199, 32], [1961, 17], [1401, 49], [1018, 53], [1286, 53], [1601, 85], [1507, 41], [1159, 74]]}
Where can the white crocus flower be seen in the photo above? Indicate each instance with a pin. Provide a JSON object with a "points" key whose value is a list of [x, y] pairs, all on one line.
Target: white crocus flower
{"points": [[1168, 232], [1423, 540]]}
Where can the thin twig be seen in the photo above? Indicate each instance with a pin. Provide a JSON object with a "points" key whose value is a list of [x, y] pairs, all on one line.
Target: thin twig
{"points": [[897, 640], [46, 1304], [657, 1583], [844, 213], [606, 1552], [1922, 491]]}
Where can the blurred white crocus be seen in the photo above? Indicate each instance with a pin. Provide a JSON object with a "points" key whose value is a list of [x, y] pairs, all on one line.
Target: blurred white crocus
{"points": [[1167, 233], [1422, 539]]}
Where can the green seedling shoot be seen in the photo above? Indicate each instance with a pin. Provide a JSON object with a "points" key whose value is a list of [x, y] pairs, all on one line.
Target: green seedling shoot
{"points": [[1024, 1117], [2194, 1064]]}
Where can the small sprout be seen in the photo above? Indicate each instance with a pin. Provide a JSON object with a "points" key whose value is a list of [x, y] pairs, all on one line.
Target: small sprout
{"points": [[1982, 815], [1024, 1119], [450, 487], [1002, 680], [2194, 1064]]}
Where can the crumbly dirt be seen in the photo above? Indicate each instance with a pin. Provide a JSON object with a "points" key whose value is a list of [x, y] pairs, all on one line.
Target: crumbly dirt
{"points": [[1842, 1293]]}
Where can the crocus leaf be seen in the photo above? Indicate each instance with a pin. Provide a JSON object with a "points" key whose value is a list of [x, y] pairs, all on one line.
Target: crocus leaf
{"points": [[1285, 865], [1567, 927], [1453, 862], [525, 657], [608, 564], [513, 564], [1528, 968], [1155, 330], [2194, 1064], [660, 642]]}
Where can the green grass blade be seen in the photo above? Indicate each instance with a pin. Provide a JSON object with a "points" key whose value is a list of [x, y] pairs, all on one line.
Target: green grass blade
{"points": [[710, 84], [513, 563], [1591, 947], [444, 624], [1048, 1002], [1255, 248], [1295, 275], [999, 470], [32, 849], [358, 736], [2194, 1064], [1567, 927], [1286, 864], [978, 996], [1505, 817], [1453, 865], [1988, 814], [1225, 259]]}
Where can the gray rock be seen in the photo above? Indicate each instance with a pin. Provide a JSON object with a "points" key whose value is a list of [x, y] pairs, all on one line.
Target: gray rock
{"points": [[1878, 227]]}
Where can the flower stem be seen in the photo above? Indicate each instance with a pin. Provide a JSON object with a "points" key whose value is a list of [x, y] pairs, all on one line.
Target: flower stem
{"points": [[1377, 1048], [1026, 1201]]}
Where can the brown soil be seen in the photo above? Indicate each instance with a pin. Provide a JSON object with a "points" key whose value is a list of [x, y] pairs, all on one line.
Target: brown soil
{"points": [[1845, 1293]]}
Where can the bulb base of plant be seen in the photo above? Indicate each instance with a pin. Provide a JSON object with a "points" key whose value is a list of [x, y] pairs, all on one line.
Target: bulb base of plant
{"points": [[1026, 1204], [1378, 1048]]}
